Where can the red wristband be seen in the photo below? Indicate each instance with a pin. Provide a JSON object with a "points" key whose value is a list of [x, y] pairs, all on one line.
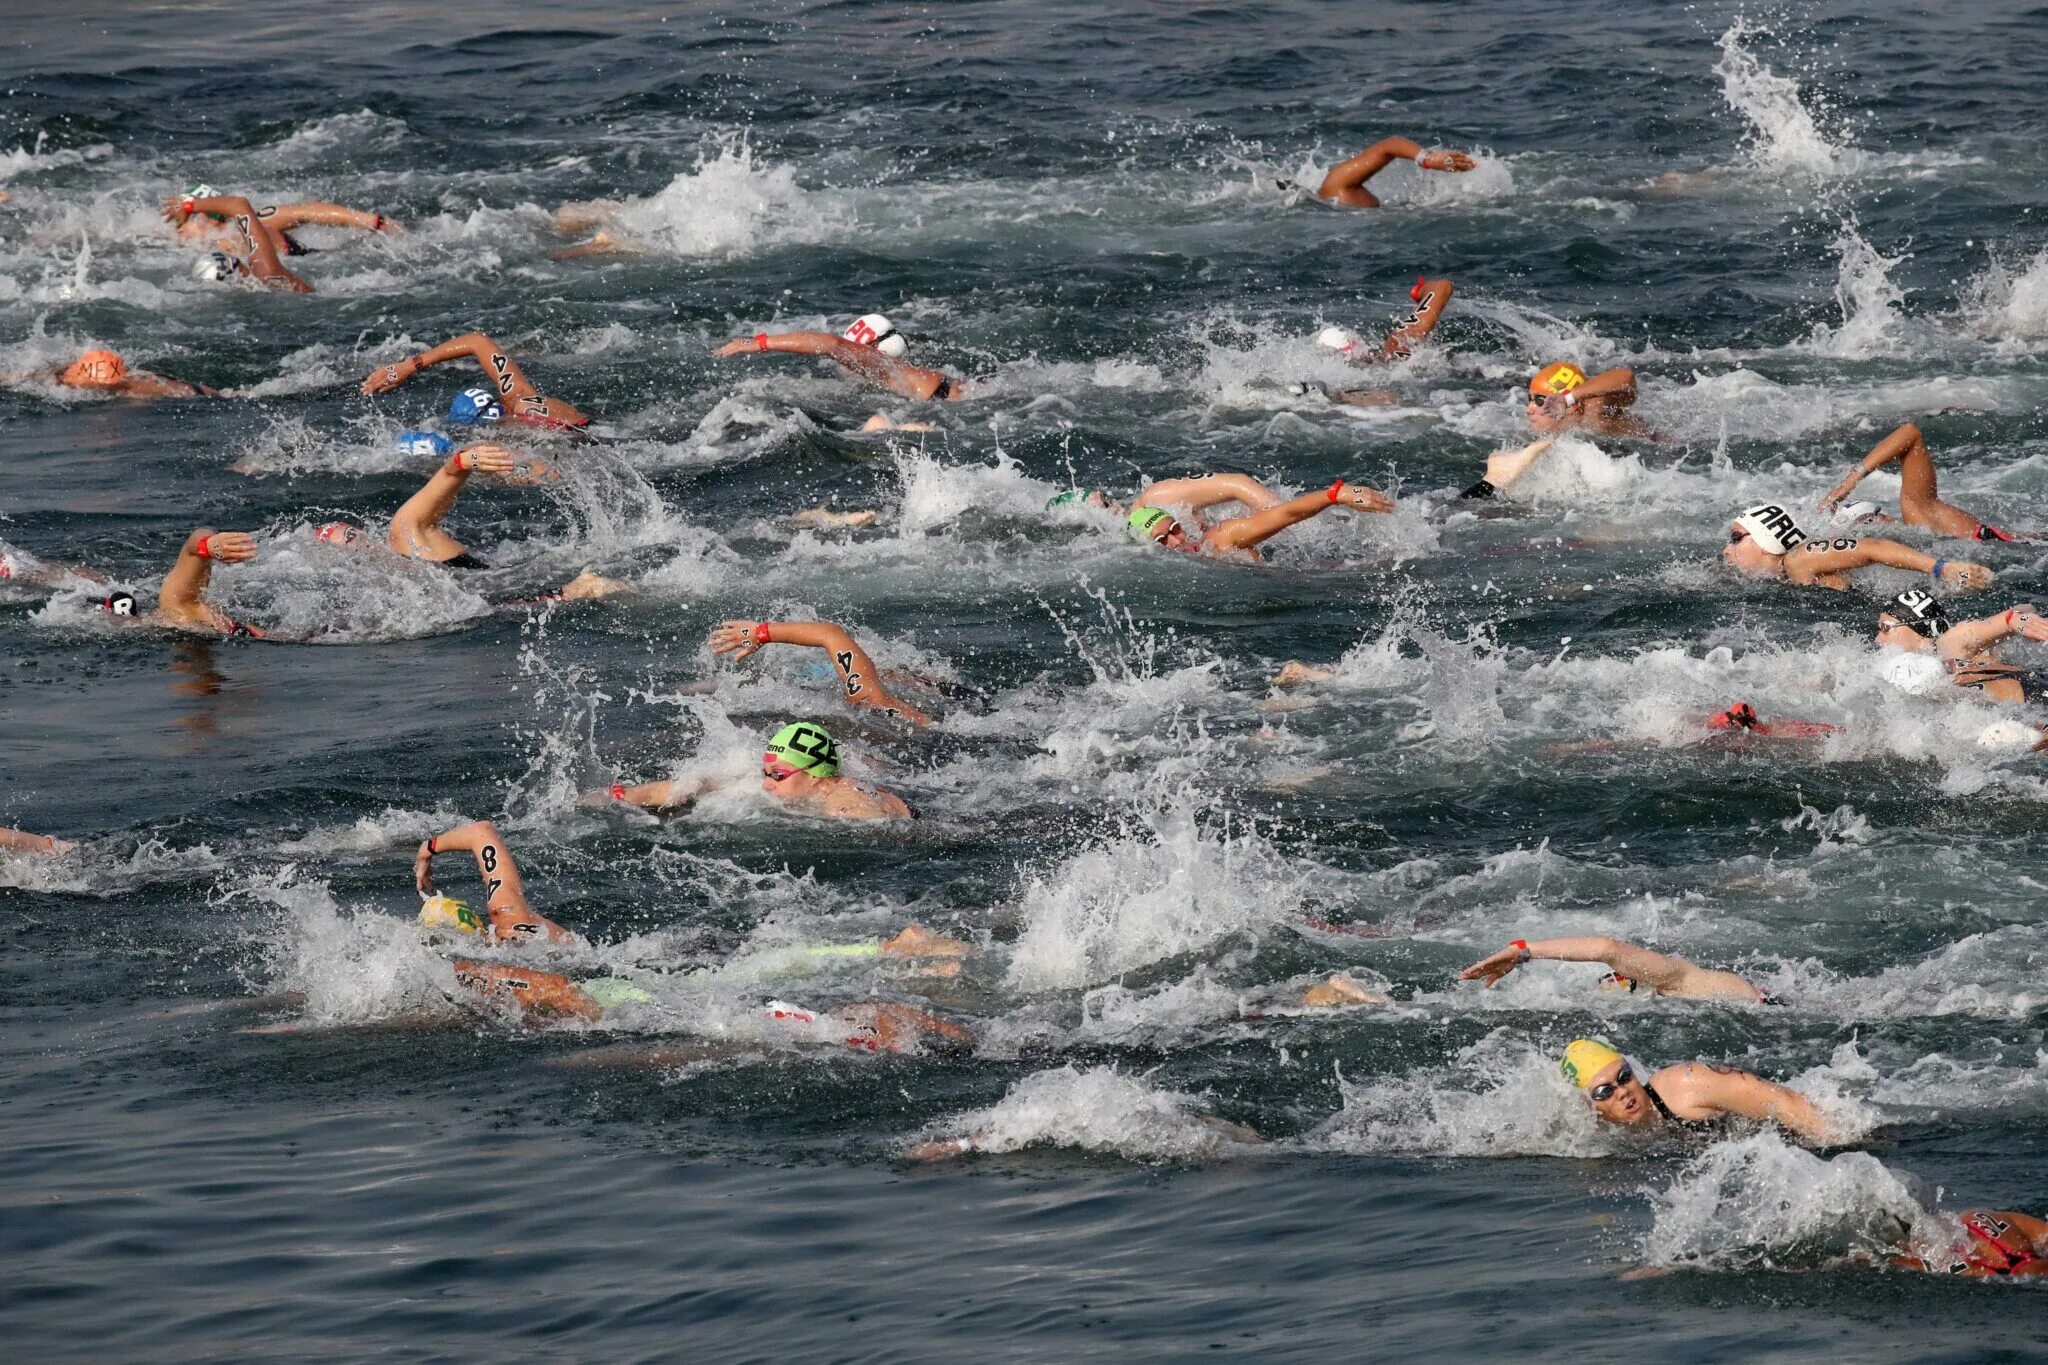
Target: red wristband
{"points": [[430, 845], [376, 222], [761, 341], [1336, 488], [203, 549], [618, 791], [460, 467], [1519, 944], [761, 633], [1415, 294]]}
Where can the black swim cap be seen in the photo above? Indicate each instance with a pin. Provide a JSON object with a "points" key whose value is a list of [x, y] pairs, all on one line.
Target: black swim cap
{"points": [[119, 603], [1919, 611]]}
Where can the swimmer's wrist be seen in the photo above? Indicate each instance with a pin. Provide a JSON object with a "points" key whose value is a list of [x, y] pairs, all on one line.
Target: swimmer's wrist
{"points": [[1935, 572], [1522, 953], [760, 341], [1334, 490], [762, 635], [203, 549]]}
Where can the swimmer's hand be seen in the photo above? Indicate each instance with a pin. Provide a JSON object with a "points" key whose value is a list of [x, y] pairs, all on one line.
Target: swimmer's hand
{"points": [[1445, 161], [737, 346], [1842, 490], [1364, 499], [485, 458], [230, 547], [1974, 577], [735, 638], [385, 378], [824, 518], [423, 868], [1492, 969], [174, 210], [940, 1149]]}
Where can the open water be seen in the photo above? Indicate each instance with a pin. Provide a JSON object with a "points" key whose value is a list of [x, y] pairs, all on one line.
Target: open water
{"points": [[1080, 204]]}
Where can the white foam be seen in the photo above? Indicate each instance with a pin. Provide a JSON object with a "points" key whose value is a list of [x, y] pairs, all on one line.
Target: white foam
{"points": [[1094, 1109]]}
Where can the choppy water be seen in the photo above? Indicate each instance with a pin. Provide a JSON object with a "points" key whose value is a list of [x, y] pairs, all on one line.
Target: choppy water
{"points": [[1079, 203]]}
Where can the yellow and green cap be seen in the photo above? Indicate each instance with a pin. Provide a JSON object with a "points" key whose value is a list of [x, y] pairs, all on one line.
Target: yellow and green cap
{"points": [[1585, 1058]]}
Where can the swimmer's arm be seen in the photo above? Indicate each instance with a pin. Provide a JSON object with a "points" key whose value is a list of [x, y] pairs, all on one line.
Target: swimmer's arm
{"points": [[1208, 491], [655, 795], [1613, 388], [1436, 296], [1753, 1097], [143, 384], [21, 841], [416, 526], [1818, 557], [263, 261], [503, 890], [289, 216], [180, 598], [897, 376], [1971, 638], [858, 676], [1240, 533]]}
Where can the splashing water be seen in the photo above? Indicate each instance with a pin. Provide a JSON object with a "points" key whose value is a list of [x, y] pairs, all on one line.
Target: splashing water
{"points": [[1783, 135]]}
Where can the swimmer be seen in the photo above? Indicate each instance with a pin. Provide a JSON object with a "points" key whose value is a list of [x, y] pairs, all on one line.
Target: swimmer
{"points": [[181, 601], [18, 566], [1339, 991], [1917, 625], [415, 531], [21, 841], [870, 349], [858, 676], [104, 371], [1562, 398], [822, 518], [799, 769], [1629, 968], [202, 228], [1430, 297], [1693, 1096], [1765, 542], [1345, 182], [582, 216], [507, 917], [1241, 535], [1919, 503], [515, 395], [1990, 1243], [251, 252]]}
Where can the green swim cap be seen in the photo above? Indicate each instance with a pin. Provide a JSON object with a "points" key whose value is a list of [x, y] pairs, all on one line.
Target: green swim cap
{"points": [[1071, 495], [1143, 521], [805, 746], [610, 990]]}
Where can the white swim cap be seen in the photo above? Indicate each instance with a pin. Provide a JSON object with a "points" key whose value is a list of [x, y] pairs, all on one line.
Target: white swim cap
{"points": [[877, 331], [1853, 511], [1337, 339], [1771, 527], [1919, 672], [216, 265], [2007, 734]]}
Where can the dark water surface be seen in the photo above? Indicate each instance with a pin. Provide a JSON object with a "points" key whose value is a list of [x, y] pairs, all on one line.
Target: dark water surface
{"points": [[1078, 204]]}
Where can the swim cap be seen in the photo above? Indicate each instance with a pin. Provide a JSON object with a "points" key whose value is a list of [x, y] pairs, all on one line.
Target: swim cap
{"points": [[1075, 495], [446, 912], [216, 265], [338, 533], [1771, 527], [2007, 734], [1585, 1058], [96, 368], [1615, 981], [424, 443], [473, 406], [610, 990], [876, 331], [1919, 672], [1558, 378], [119, 603], [1920, 612], [805, 747], [1337, 339], [1143, 521], [202, 190], [1854, 511]]}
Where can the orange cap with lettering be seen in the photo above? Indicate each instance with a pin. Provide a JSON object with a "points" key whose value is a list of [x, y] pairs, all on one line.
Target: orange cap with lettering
{"points": [[96, 369]]}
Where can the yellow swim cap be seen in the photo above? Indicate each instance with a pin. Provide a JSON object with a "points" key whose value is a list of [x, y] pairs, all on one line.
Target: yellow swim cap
{"points": [[446, 912], [1585, 1058], [1558, 378]]}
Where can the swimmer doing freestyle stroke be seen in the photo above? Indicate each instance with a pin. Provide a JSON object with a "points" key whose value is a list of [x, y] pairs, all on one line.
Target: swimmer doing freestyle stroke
{"points": [[800, 769], [1241, 536], [1691, 1096], [1765, 542], [871, 349], [515, 397]]}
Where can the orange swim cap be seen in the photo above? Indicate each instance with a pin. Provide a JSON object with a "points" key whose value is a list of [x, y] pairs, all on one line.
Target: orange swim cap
{"points": [[96, 369], [1558, 378]]}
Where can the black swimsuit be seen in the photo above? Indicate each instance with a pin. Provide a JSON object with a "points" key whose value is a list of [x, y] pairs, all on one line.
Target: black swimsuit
{"points": [[943, 391], [465, 560], [1690, 1125], [2033, 681]]}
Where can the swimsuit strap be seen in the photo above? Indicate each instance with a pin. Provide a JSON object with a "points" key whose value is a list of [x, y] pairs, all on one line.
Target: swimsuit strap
{"points": [[1691, 1125]]}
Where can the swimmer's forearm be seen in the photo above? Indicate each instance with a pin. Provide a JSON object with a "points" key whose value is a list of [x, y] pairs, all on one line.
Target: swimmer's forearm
{"points": [[289, 216], [21, 841], [1654, 970]]}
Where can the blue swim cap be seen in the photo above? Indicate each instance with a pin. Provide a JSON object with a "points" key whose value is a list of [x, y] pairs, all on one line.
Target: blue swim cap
{"points": [[475, 406], [424, 443]]}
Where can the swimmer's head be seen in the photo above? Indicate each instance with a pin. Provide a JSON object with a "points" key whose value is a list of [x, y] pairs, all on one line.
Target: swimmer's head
{"points": [[96, 369], [339, 533], [1552, 380], [446, 912], [1338, 340], [1615, 981], [118, 603], [800, 747], [1157, 525], [1911, 618], [218, 265], [202, 190], [876, 331], [1766, 529], [1584, 1059], [1078, 497], [475, 407], [424, 443]]}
